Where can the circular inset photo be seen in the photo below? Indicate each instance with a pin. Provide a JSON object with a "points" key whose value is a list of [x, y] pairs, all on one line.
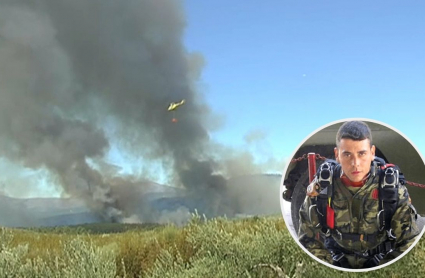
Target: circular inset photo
{"points": [[352, 195]]}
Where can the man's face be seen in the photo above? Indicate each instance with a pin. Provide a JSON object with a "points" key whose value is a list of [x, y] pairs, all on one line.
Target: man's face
{"points": [[355, 158]]}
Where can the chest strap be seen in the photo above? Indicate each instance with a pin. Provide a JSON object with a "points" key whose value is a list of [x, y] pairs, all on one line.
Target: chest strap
{"points": [[372, 238], [373, 256]]}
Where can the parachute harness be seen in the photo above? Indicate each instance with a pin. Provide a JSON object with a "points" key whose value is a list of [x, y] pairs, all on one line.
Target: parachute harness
{"points": [[389, 179]]}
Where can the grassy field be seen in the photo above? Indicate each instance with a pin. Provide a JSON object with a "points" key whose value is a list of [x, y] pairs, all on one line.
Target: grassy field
{"points": [[254, 247]]}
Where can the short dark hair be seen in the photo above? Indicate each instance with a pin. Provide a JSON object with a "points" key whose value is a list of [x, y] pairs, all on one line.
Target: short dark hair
{"points": [[354, 130]]}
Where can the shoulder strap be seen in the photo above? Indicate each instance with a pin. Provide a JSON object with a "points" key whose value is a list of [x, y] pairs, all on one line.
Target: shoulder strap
{"points": [[389, 180], [325, 176]]}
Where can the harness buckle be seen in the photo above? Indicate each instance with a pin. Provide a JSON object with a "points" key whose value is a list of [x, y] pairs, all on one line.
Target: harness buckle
{"points": [[389, 247], [338, 257], [328, 233], [325, 175], [390, 177], [391, 235], [377, 258], [309, 212], [339, 234], [378, 221]]}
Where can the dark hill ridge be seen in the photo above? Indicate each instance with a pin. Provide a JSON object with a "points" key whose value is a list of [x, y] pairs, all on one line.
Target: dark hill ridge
{"points": [[248, 195]]}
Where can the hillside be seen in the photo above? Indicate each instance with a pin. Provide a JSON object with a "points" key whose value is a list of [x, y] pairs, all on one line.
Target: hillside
{"points": [[152, 203]]}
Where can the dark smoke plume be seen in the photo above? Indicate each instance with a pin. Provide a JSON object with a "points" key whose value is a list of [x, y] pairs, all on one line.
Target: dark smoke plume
{"points": [[77, 75]]}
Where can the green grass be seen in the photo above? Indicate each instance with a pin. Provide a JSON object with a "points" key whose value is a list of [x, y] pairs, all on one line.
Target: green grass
{"points": [[96, 228], [254, 247]]}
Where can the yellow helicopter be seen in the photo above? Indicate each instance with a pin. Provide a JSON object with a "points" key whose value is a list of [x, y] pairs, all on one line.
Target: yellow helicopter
{"points": [[173, 106]]}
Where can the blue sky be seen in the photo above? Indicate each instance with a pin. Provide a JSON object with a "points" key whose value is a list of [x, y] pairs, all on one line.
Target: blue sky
{"points": [[290, 67]]}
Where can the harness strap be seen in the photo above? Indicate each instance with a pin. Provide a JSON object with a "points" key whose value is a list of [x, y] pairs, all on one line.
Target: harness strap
{"points": [[321, 209], [325, 198], [388, 196], [372, 238], [382, 249]]}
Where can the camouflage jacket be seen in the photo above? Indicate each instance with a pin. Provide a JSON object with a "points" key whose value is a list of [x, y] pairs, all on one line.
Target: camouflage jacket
{"points": [[357, 214]]}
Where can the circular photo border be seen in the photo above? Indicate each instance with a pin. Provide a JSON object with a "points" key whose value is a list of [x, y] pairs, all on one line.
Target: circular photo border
{"points": [[285, 205]]}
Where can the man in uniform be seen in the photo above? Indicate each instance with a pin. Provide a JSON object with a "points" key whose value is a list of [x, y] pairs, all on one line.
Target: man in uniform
{"points": [[353, 227]]}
